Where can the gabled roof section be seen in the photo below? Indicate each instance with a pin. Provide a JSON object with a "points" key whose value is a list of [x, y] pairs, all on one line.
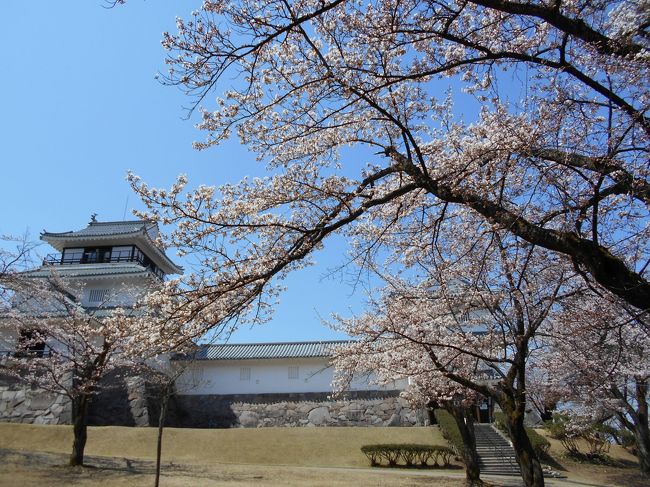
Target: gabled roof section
{"points": [[257, 351], [138, 232]]}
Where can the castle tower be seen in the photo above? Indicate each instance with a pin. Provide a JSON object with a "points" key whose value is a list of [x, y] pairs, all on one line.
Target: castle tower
{"points": [[109, 260], [105, 266]]}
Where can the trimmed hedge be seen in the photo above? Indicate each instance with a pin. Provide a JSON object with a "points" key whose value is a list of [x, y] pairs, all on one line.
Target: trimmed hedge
{"points": [[408, 454], [449, 429], [540, 444]]}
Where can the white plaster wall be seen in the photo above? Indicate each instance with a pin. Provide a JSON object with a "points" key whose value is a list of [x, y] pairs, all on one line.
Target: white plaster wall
{"points": [[266, 376], [120, 293]]}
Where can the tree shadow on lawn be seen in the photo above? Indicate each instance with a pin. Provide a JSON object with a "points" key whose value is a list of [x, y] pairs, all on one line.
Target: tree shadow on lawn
{"points": [[94, 467]]}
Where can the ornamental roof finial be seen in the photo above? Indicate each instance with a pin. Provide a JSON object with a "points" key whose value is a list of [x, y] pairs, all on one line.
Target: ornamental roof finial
{"points": [[93, 218]]}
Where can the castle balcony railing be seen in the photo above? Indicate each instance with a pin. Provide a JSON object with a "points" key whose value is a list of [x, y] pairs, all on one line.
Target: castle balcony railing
{"points": [[107, 258]]}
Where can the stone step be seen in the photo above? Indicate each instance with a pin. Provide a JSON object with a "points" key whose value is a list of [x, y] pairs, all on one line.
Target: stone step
{"points": [[496, 456]]}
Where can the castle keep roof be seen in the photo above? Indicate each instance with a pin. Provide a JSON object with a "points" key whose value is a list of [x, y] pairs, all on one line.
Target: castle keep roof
{"points": [[138, 232]]}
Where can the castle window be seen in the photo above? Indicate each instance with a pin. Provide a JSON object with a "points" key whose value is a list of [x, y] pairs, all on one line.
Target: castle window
{"points": [[72, 256], [294, 372], [245, 373]]}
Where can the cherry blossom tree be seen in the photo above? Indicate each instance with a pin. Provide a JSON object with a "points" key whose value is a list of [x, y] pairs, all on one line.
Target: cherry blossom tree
{"points": [[568, 150], [355, 109], [67, 349], [469, 311], [598, 362], [391, 357], [16, 254]]}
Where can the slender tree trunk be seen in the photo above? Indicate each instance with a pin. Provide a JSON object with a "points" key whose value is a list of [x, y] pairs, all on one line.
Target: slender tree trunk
{"points": [[80, 429], [164, 401], [465, 423], [531, 469]]}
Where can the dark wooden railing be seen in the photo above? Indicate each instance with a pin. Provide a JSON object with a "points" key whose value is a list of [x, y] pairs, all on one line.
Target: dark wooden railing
{"points": [[60, 259]]}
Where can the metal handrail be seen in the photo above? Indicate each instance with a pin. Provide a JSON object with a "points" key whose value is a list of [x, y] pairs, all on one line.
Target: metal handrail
{"points": [[500, 450]]}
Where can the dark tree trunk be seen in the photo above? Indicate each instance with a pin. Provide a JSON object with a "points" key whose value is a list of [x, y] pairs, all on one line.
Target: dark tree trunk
{"points": [[642, 436], [80, 429], [641, 430], [531, 469], [465, 422], [164, 401], [546, 414]]}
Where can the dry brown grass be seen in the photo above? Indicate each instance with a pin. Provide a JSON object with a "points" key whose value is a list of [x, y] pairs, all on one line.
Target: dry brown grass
{"points": [[302, 457], [322, 447], [28, 469], [621, 470]]}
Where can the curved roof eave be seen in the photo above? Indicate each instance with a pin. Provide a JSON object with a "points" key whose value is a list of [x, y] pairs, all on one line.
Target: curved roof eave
{"points": [[60, 240]]}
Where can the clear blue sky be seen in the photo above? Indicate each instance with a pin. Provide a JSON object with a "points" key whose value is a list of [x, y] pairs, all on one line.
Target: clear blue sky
{"points": [[80, 106]]}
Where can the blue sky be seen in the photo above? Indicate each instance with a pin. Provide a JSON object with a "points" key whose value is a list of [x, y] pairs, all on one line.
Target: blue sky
{"points": [[81, 107]]}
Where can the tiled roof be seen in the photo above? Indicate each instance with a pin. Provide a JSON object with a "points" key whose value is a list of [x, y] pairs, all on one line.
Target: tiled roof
{"points": [[141, 232], [102, 229], [251, 351], [125, 269]]}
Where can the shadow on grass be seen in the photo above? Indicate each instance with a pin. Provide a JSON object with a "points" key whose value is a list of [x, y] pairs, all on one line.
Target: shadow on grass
{"points": [[552, 462], [56, 465]]}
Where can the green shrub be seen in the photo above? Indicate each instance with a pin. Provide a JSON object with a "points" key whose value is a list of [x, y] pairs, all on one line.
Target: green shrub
{"points": [[408, 454], [449, 429], [540, 444]]}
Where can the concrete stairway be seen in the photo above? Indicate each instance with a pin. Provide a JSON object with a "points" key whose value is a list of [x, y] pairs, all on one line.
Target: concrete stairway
{"points": [[496, 456]]}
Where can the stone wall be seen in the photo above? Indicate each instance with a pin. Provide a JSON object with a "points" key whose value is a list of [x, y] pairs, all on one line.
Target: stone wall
{"points": [[365, 408], [20, 403], [129, 400], [123, 400], [25, 405]]}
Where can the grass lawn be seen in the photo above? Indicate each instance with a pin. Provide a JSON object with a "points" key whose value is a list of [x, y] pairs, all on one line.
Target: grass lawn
{"points": [[35, 455], [321, 447]]}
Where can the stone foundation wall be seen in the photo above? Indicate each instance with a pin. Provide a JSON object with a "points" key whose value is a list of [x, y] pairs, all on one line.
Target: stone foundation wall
{"points": [[123, 400], [25, 405], [366, 408], [127, 400], [21, 403]]}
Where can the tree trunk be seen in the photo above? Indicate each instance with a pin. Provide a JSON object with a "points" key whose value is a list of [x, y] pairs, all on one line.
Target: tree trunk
{"points": [[531, 469], [642, 436], [465, 423], [164, 401], [80, 428]]}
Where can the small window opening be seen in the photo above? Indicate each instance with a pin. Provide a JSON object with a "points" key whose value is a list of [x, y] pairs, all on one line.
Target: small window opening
{"points": [[294, 372], [245, 373]]}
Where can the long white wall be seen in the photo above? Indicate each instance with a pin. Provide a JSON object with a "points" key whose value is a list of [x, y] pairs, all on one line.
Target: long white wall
{"points": [[266, 376]]}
